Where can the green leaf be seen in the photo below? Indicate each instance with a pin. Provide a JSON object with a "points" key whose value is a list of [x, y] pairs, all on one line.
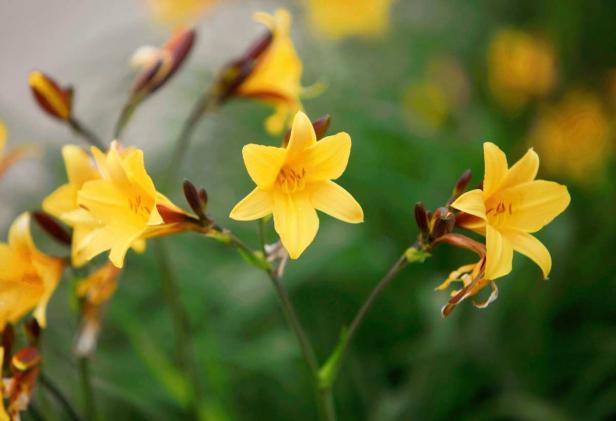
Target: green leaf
{"points": [[329, 370]]}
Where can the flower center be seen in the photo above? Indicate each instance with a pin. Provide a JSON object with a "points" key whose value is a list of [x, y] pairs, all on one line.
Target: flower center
{"points": [[290, 180], [498, 211], [138, 207]]}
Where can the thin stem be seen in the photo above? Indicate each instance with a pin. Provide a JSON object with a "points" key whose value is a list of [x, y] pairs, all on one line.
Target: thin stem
{"points": [[180, 321], [55, 391], [86, 388], [376, 292], [205, 104], [85, 133], [324, 397]]}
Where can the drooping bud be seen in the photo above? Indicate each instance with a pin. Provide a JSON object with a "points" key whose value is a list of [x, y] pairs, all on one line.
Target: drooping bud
{"points": [[50, 96], [320, 126], [421, 218], [462, 183], [52, 227]]}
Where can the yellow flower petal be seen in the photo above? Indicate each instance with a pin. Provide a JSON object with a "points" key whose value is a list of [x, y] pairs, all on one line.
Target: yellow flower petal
{"points": [[535, 204], [328, 158], [472, 203], [20, 238], [79, 166], [495, 163], [263, 163], [255, 205], [61, 201], [2, 137], [335, 201], [522, 171], [499, 254], [302, 137], [532, 248], [295, 221]]}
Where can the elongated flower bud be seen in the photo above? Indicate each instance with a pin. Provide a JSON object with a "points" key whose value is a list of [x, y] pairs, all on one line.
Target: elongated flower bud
{"points": [[52, 227], [51, 97]]}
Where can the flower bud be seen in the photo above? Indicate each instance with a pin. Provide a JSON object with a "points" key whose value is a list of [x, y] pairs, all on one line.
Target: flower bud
{"points": [[25, 359], [421, 218], [196, 199], [462, 183], [8, 340], [164, 62], [51, 97], [443, 222], [33, 331], [52, 227], [320, 126]]}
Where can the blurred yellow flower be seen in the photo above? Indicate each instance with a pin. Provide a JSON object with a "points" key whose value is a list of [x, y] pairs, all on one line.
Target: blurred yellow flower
{"points": [[28, 277], [111, 206], [431, 102], [8, 159], [276, 78], [179, 12], [574, 136], [520, 67], [344, 18], [511, 205], [293, 182]]}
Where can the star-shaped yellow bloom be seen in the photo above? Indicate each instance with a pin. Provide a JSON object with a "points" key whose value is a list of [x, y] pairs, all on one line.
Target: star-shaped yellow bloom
{"points": [[111, 203], [343, 18], [511, 206], [293, 182], [276, 78], [28, 277]]}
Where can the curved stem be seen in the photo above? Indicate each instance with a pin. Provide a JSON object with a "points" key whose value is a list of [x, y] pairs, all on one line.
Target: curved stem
{"points": [[85, 133], [55, 391]]}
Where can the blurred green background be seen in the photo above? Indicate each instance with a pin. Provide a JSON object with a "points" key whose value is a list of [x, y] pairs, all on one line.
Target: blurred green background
{"points": [[542, 351]]}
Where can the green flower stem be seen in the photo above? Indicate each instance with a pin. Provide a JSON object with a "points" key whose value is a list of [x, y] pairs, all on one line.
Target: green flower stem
{"points": [[184, 349], [86, 389], [205, 104], [85, 133], [55, 391], [323, 397], [329, 371]]}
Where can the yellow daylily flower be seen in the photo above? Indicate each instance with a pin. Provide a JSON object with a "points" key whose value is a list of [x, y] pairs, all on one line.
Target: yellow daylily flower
{"points": [[276, 78], [112, 205], [520, 67], [511, 206], [293, 182], [28, 277], [574, 137], [179, 12], [338, 19], [8, 159]]}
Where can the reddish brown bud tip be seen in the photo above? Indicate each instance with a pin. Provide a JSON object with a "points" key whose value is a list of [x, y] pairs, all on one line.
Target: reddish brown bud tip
{"points": [[171, 216], [170, 58], [33, 331], [50, 96], [421, 218], [443, 222], [52, 227], [25, 359], [320, 126], [8, 339], [462, 182], [196, 199]]}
